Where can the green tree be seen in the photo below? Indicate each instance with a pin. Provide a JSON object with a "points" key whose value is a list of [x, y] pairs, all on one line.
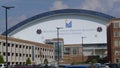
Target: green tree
{"points": [[45, 61], [1, 59], [28, 61]]}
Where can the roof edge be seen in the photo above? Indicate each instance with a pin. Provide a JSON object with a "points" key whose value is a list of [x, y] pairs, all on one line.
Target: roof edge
{"points": [[50, 13]]}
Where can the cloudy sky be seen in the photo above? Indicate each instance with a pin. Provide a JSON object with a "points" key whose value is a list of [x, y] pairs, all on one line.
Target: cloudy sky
{"points": [[28, 8]]}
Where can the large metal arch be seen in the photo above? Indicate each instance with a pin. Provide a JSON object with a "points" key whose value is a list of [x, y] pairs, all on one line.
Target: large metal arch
{"points": [[56, 12]]}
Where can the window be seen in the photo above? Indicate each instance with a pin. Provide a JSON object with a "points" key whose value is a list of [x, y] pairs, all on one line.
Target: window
{"points": [[29, 47], [75, 49], [16, 46], [116, 42], [26, 47], [38, 48], [8, 44], [12, 54], [20, 46], [16, 54], [3, 53], [8, 53], [20, 54], [117, 60], [23, 55], [116, 52], [67, 51], [23, 46], [116, 25], [3, 44], [29, 55], [26, 55], [116, 34], [12, 45], [36, 56]]}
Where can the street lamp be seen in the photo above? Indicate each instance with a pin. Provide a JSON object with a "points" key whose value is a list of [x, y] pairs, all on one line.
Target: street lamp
{"points": [[58, 28], [6, 8], [82, 48]]}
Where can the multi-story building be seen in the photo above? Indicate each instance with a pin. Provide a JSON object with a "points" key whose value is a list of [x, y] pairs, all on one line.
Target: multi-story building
{"points": [[113, 40], [19, 50], [55, 43]]}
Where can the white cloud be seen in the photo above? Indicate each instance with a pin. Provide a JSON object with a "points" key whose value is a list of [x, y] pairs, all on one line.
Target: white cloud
{"points": [[58, 5], [91, 5], [99, 5]]}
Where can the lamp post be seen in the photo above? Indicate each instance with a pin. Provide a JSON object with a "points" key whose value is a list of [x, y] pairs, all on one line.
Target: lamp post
{"points": [[58, 28], [6, 8], [82, 48]]}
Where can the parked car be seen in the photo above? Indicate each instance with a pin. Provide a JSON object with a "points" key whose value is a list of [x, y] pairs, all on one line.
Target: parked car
{"points": [[2, 65], [103, 66]]}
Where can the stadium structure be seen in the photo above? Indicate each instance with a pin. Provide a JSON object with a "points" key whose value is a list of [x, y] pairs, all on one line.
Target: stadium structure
{"points": [[82, 27]]}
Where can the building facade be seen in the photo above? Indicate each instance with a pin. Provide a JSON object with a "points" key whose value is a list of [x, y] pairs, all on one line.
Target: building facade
{"points": [[58, 47], [76, 23], [19, 50], [113, 40], [73, 53]]}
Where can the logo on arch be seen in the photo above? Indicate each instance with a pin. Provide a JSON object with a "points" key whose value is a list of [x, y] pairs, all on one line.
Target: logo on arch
{"points": [[68, 23]]}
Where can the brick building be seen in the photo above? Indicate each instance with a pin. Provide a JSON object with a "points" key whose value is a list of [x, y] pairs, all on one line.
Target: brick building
{"points": [[113, 40]]}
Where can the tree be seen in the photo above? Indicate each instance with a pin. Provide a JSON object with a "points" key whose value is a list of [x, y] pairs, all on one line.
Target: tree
{"points": [[28, 61], [45, 61], [1, 59]]}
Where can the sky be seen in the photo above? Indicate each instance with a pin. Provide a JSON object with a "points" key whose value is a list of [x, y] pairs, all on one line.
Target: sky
{"points": [[27, 8]]}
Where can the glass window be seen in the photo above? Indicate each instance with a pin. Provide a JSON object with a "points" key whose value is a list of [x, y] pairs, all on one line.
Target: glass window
{"points": [[117, 52], [116, 25], [75, 49], [8, 44], [29, 55], [19, 46], [16, 54], [12, 45], [12, 54], [116, 34], [26, 47], [29, 47], [3, 44], [23, 46], [20, 54], [4, 53], [8, 53], [16, 45], [26, 55], [116, 42], [67, 51], [117, 60]]}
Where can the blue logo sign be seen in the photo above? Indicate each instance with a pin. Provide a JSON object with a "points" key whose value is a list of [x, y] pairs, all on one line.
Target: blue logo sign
{"points": [[68, 24]]}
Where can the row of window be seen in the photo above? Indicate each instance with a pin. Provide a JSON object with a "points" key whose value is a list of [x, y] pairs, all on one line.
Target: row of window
{"points": [[16, 63], [24, 55], [16, 45], [16, 54], [37, 48], [27, 47], [67, 51], [43, 56]]}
